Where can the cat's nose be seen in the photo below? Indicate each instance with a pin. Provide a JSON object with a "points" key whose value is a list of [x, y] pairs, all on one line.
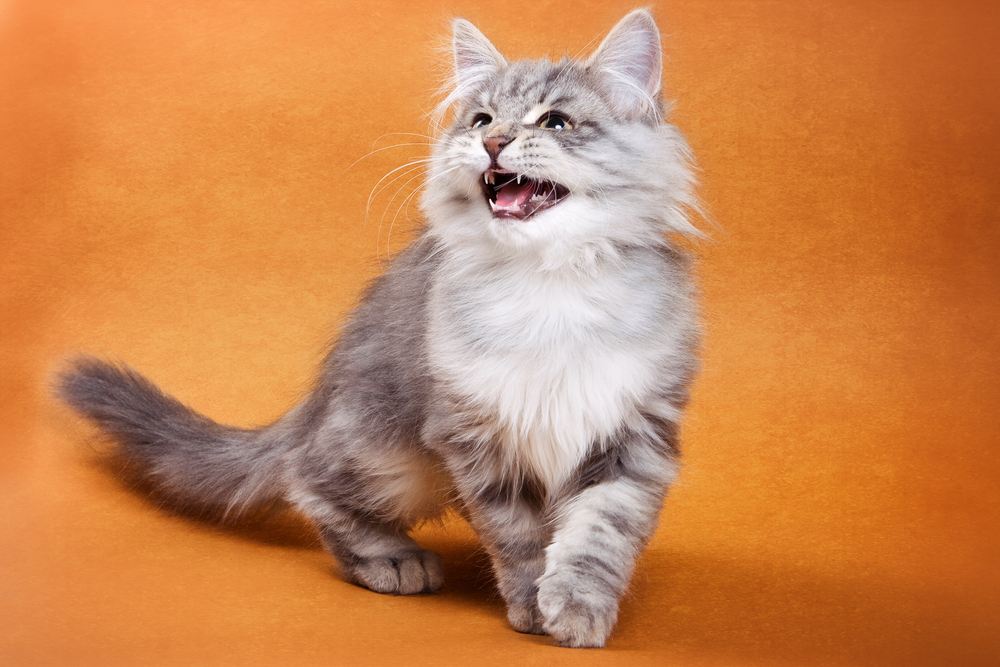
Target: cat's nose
{"points": [[494, 145]]}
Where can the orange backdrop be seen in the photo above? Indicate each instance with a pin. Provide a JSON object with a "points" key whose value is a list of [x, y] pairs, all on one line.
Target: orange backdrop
{"points": [[177, 190]]}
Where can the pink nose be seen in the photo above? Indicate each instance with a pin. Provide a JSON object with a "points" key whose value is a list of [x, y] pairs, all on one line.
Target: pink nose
{"points": [[494, 145]]}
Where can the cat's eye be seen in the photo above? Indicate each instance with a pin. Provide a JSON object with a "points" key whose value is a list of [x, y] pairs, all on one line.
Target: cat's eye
{"points": [[554, 121], [481, 120]]}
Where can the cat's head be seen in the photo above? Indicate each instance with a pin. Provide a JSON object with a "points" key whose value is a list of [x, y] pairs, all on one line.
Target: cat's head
{"points": [[559, 160]]}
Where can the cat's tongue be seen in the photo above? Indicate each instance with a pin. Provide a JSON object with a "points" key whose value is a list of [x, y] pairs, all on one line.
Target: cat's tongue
{"points": [[516, 200], [514, 196]]}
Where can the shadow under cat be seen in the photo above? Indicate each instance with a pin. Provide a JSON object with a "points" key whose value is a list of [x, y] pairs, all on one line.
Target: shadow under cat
{"points": [[681, 602]]}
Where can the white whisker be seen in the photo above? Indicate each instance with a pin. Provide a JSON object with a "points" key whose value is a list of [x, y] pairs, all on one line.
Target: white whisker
{"points": [[372, 194], [430, 180], [386, 148], [388, 205]]}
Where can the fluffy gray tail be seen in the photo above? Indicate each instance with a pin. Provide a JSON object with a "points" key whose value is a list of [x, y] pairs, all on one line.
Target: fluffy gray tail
{"points": [[189, 457]]}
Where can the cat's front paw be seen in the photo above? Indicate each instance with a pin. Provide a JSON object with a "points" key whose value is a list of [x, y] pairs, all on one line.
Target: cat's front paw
{"points": [[575, 611], [401, 574], [525, 618]]}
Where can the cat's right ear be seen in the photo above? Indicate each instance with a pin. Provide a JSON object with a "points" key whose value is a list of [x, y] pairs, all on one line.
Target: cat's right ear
{"points": [[475, 56], [630, 62]]}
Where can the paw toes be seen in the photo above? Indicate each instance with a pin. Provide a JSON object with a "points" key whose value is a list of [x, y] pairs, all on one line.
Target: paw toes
{"points": [[411, 576], [578, 627], [525, 619], [433, 570], [404, 574], [576, 619], [378, 574]]}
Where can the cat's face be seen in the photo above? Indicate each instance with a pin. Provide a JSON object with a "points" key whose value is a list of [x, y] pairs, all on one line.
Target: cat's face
{"points": [[558, 159]]}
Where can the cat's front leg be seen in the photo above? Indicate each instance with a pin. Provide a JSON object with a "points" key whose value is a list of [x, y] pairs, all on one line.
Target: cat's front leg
{"points": [[600, 532], [502, 507], [505, 514], [507, 520]]}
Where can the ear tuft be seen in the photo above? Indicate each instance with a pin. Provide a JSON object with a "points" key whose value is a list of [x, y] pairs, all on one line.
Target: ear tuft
{"points": [[630, 64], [475, 56]]}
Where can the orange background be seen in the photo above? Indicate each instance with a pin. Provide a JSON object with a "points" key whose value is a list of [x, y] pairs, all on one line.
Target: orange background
{"points": [[176, 190]]}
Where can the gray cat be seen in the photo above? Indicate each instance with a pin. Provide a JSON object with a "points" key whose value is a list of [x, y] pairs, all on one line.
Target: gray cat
{"points": [[525, 360]]}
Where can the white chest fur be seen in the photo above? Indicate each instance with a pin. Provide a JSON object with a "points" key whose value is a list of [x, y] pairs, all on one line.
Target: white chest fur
{"points": [[556, 360]]}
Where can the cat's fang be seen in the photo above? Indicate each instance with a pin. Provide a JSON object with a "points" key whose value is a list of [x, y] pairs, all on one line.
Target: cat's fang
{"points": [[519, 197]]}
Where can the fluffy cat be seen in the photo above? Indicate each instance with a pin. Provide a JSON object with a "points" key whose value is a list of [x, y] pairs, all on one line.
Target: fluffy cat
{"points": [[525, 360]]}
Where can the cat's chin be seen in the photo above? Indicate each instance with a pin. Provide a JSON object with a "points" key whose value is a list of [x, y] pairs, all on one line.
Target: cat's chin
{"points": [[541, 230], [556, 236]]}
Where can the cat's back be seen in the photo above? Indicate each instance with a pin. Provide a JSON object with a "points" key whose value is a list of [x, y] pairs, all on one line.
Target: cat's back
{"points": [[379, 361]]}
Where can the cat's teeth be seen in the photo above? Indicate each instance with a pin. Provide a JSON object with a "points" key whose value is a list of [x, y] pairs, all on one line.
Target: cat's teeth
{"points": [[486, 177], [519, 179], [493, 205]]}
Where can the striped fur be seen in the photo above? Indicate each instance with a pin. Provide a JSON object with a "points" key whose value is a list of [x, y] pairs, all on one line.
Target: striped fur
{"points": [[529, 374]]}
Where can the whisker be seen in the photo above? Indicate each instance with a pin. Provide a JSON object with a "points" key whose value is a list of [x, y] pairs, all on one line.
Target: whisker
{"points": [[403, 187], [388, 240], [401, 134], [371, 195], [586, 46], [385, 148], [379, 189], [385, 212]]}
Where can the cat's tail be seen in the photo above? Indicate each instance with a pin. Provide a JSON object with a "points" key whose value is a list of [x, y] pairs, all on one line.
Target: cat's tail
{"points": [[190, 458]]}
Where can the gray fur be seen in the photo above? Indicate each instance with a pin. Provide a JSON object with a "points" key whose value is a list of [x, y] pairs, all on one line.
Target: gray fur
{"points": [[186, 454], [468, 378]]}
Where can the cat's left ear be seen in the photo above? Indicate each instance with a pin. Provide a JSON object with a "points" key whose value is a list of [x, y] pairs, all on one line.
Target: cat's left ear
{"points": [[629, 63], [475, 56]]}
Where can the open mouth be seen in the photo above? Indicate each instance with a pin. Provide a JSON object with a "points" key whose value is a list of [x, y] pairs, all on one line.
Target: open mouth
{"points": [[513, 195]]}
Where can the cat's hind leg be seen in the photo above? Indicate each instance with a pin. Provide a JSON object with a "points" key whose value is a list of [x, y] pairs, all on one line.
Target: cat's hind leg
{"points": [[364, 512], [381, 557]]}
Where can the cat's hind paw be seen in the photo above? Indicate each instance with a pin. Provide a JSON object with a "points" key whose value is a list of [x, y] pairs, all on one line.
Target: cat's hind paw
{"points": [[402, 574]]}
